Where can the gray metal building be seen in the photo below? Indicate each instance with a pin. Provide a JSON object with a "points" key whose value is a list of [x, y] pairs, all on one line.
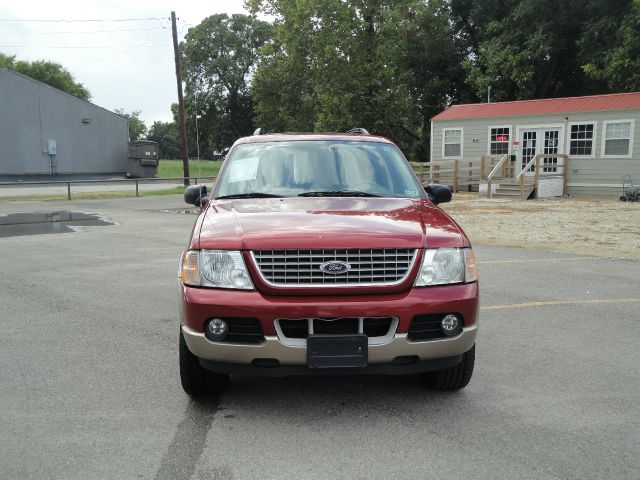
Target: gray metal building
{"points": [[45, 130]]}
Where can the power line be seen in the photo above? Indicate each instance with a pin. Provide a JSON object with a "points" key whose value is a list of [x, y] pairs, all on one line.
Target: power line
{"points": [[117, 54], [43, 20], [85, 31], [61, 47]]}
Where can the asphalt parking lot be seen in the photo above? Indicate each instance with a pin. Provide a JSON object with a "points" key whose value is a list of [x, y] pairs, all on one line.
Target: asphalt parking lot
{"points": [[89, 385]]}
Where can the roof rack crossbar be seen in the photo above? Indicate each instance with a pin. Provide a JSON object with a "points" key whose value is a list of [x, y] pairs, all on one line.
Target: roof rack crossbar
{"points": [[358, 131]]}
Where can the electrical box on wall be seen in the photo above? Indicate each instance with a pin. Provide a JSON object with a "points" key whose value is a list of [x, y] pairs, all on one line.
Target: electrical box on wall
{"points": [[51, 147]]}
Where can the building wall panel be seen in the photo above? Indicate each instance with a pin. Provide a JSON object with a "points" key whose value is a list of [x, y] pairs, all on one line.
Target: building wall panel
{"points": [[604, 173], [32, 113]]}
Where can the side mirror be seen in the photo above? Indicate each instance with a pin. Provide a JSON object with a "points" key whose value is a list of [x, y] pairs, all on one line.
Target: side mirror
{"points": [[196, 195], [439, 193]]}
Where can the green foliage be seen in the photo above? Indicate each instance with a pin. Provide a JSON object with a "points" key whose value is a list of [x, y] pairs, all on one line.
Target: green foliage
{"points": [[613, 44], [219, 57], [51, 73], [7, 61], [137, 128], [429, 66], [391, 65], [384, 65], [166, 135], [542, 48]]}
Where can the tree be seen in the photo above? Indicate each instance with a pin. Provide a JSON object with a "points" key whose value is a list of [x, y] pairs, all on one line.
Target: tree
{"points": [[429, 60], [137, 128], [7, 61], [613, 43], [283, 90], [51, 73], [219, 57], [384, 65], [166, 135], [541, 48]]}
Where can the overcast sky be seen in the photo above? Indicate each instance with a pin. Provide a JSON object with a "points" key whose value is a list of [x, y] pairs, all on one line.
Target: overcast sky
{"points": [[124, 64]]}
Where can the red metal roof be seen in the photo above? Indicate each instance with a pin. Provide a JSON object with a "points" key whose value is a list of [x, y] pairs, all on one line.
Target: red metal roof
{"points": [[616, 101]]}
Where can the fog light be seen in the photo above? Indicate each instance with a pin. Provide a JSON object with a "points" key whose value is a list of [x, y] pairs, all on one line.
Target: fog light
{"points": [[216, 329], [451, 325]]}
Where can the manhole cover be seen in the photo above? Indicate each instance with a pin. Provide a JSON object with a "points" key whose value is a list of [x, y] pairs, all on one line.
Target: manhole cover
{"points": [[19, 224]]}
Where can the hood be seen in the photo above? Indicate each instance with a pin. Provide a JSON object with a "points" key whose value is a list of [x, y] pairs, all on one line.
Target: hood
{"points": [[326, 222]]}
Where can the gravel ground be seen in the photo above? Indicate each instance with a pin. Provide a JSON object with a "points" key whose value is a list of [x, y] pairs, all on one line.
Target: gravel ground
{"points": [[593, 226]]}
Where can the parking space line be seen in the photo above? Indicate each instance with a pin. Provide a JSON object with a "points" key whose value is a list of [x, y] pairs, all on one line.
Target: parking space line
{"points": [[558, 302]]}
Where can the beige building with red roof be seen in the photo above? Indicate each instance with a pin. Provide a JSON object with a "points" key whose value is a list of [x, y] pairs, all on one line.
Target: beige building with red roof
{"points": [[537, 148]]}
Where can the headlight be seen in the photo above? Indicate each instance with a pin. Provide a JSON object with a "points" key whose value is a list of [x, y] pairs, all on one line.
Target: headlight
{"points": [[215, 268], [441, 266]]}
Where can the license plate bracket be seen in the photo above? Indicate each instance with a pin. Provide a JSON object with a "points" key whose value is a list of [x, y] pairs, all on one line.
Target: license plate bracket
{"points": [[337, 351]]}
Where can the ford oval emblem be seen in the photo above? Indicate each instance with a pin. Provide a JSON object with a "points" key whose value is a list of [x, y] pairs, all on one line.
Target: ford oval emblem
{"points": [[335, 267]]}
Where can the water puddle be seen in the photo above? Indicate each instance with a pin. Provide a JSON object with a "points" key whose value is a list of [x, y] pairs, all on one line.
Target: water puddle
{"points": [[19, 224], [187, 211]]}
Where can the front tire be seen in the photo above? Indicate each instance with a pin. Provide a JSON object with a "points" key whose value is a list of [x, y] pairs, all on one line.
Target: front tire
{"points": [[196, 380], [456, 377]]}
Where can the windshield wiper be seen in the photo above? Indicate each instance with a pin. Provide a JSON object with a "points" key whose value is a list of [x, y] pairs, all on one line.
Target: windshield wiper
{"points": [[249, 195], [337, 193]]}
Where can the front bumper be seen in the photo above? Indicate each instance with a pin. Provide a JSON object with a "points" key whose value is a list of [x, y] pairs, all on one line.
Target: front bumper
{"points": [[272, 348], [199, 304]]}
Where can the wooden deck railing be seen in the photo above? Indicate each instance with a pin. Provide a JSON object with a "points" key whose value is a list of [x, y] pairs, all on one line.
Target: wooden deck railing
{"points": [[458, 173]]}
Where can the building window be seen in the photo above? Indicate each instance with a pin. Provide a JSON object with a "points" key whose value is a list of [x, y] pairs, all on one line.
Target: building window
{"points": [[499, 140], [617, 138], [581, 141], [452, 143]]}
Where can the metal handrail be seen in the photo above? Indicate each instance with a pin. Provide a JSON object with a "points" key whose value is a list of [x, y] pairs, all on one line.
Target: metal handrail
{"points": [[135, 181], [541, 156], [493, 173], [497, 167], [527, 166], [113, 180]]}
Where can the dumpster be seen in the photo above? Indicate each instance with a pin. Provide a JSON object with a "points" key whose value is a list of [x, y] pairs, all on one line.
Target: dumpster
{"points": [[142, 161]]}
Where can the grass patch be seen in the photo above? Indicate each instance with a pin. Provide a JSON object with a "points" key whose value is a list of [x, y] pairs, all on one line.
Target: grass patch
{"points": [[173, 168]]}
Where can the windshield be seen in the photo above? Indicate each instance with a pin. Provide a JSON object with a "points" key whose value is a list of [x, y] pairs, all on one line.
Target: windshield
{"points": [[317, 168]]}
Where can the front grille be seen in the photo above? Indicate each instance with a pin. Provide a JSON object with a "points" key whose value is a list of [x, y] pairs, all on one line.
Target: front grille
{"points": [[427, 327], [339, 326], [244, 330], [295, 328], [369, 266], [371, 326]]}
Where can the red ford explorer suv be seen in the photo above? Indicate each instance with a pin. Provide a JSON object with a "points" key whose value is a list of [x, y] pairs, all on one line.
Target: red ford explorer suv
{"points": [[323, 254]]}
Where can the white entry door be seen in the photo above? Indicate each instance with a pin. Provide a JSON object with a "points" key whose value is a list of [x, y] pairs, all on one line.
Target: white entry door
{"points": [[534, 141]]}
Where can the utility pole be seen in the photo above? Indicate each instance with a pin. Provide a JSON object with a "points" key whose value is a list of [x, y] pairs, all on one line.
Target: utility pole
{"points": [[181, 125]]}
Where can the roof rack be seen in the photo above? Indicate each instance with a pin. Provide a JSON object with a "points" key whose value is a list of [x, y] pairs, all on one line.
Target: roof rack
{"points": [[257, 131], [358, 131]]}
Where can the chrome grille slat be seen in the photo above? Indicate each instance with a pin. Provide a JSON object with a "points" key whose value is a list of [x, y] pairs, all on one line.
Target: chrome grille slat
{"points": [[381, 267]]}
